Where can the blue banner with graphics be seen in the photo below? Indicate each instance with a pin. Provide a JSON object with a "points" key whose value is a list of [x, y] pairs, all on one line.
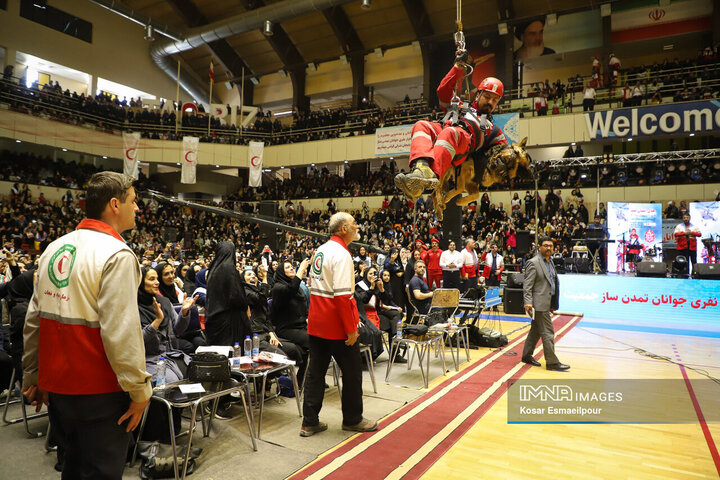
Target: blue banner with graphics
{"points": [[637, 231], [509, 123], [667, 119], [669, 303]]}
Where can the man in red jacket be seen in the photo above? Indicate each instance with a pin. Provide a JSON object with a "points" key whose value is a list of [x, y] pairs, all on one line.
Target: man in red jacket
{"points": [[432, 258], [333, 330], [436, 147], [686, 238]]}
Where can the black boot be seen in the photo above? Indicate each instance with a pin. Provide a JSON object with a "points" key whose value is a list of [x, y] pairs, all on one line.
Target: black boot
{"points": [[420, 178]]}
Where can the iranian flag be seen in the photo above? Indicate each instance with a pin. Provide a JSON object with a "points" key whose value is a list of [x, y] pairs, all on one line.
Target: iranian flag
{"points": [[646, 19]]}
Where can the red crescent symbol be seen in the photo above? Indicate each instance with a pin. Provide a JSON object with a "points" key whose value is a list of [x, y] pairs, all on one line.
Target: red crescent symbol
{"points": [[127, 154], [189, 160], [252, 161], [60, 263]]}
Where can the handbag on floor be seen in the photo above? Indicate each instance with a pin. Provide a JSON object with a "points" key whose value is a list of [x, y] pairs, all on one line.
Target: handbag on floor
{"points": [[157, 459]]}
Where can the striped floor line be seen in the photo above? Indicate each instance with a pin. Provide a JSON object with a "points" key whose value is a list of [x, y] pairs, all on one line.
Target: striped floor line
{"points": [[410, 440]]}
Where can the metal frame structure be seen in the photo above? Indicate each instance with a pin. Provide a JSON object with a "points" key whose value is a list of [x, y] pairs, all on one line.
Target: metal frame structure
{"points": [[672, 156]]}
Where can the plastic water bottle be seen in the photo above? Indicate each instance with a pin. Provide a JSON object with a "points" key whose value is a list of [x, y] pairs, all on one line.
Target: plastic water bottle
{"points": [[237, 353], [247, 346], [256, 345], [160, 374], [398, 334]]}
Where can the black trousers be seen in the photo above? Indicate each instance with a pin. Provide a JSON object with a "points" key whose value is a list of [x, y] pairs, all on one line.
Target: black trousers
{"points": [[86, 427], [451, 279], [348, 359]]}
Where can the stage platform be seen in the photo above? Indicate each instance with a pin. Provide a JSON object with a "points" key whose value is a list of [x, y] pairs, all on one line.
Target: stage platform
{"points": [[657, 305]]}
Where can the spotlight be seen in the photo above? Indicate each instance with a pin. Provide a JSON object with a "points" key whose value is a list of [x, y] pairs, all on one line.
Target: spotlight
{"points": [[254, 80], [680, 265], [282, 73], [658, 174], [366, 4], [149, 33], [312, 66], [639, 169], [584, 173], [696, 173], [683, 167], [379, 52], [267, 28], [502, 28], [551, 18], [343, 59], [622, 176], [671, 167]]}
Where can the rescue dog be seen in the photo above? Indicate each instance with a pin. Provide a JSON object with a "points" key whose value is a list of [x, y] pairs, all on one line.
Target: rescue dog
{"points": [[480, 170]]}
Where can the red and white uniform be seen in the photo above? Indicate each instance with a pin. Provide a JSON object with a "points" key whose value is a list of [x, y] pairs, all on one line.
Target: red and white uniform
{"points": [[499, 266], [685, 242], [333, 311], [441, 144], [432, 258], [470, 263], [82, 329]]}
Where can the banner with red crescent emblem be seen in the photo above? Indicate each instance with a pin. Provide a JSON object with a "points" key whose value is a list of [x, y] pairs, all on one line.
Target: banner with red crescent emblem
{"points": [[131, 142], [189, 159], [255, 159]]}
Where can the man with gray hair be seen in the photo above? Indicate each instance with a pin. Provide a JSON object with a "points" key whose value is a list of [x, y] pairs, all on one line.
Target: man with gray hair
{"points": [[333, 330]]}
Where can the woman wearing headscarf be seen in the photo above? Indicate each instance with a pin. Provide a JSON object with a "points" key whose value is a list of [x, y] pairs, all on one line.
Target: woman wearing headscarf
{"points": [[168, 287], [201, 287], [19, 291], [162, 327], [289, 307], [227, 315], [389, 312], [274, 265], [394, 267], [257, 294], [367, 291], [189, 278]]}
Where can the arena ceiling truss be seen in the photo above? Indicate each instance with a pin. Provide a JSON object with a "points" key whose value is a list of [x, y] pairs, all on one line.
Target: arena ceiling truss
{"points": [[232, 33]]}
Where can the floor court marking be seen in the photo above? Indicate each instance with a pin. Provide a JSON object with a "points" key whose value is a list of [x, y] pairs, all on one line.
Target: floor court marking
{"points": [[322, 469], [698, 411]]}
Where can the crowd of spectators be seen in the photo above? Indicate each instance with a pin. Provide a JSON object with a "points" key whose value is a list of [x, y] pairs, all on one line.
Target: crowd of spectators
{"points": [[682, 80]]}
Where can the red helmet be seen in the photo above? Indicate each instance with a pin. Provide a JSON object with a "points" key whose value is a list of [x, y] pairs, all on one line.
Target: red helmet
{"points": [[492, 85]]}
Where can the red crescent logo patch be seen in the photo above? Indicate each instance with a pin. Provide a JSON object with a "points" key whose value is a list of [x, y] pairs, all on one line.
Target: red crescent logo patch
{"points": [[130, 154], [252, 161]]}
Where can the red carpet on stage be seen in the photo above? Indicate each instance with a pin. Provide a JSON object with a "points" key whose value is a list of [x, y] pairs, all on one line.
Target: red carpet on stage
{"points": [[436, 419]]}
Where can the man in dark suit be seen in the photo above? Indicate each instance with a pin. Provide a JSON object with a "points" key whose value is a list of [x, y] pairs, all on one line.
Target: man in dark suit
{"points": [[541, 294]]}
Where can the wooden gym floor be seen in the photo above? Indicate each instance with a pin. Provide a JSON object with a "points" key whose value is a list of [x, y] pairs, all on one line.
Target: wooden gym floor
{"points": [[444, 435]]}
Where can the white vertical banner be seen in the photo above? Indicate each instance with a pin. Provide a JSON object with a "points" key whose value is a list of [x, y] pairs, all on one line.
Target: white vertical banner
{"points": [[255, 160], [130, 152], [189, 159]]}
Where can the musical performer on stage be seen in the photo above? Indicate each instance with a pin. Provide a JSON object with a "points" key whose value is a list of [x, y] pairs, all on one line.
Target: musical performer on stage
{"points": [[686, 237], [435, 146]]}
